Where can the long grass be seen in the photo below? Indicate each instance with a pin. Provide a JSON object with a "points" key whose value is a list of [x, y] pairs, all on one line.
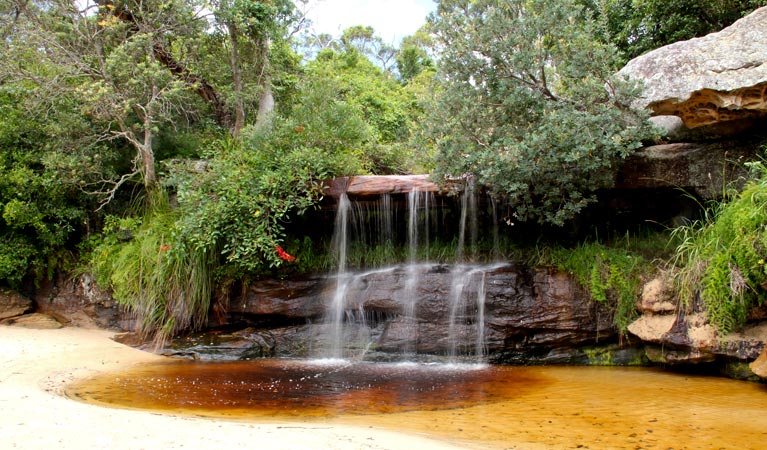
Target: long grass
{"points": [[721, 258], [166, 285]]}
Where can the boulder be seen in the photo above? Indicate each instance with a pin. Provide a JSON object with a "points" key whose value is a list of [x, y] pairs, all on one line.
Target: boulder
{"points": [[759, 366], [35, 321], [685, 336], [652, 327], [715, 80], [13, 304], [656, 298]]}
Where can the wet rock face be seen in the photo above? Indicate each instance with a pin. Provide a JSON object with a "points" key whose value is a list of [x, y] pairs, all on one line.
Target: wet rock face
{"points": [[702, 169], [715, 80], [527, 313]]}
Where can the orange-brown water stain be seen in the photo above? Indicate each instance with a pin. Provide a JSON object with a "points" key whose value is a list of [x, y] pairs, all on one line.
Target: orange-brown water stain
{"points": [[494, 407]]}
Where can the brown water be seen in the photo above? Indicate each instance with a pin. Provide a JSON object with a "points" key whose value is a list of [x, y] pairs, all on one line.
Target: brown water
{"points": [[493, 407]]}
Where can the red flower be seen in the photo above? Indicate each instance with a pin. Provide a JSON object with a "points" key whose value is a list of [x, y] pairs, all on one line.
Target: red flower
{"points": [[165, 248], [283, 254]]}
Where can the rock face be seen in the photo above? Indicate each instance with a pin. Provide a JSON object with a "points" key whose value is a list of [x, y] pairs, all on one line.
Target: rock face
{"points": [[717, 80], [13, 304], [702, 169], [682, 335], [537, 315], [80, 302]]}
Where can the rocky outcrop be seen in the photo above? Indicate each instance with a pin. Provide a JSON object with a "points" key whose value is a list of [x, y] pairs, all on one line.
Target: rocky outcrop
{"points": [[700, 169], [717, 81], [35, 321], [759, 366], [79, 302], [682, 335], [13, 304], [530, 315], [373, 185]]}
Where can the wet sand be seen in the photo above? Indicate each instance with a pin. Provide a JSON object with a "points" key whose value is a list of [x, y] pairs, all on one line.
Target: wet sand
{"points": [[36, 365]]}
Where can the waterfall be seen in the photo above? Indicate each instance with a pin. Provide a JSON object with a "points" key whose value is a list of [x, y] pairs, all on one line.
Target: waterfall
{"points": [[376, 311], [480, 345], [337, 306], [468, 219], [408, 295]]}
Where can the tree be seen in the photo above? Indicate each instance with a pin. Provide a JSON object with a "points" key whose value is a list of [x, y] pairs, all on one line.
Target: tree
{"points": [[638, 26], [251, 27], [413, 56], [114, 61], [42, 212], [530, 107]]}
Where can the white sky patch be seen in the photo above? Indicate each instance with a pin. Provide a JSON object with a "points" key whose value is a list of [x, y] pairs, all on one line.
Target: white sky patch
{"points": [[391, 19]]}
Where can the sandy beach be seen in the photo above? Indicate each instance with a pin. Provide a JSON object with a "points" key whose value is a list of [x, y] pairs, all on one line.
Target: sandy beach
{"points": [[36, 365]]}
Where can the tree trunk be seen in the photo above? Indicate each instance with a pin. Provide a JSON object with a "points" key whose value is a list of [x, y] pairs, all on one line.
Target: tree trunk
{"points": [[266, 102], [234, 61]]}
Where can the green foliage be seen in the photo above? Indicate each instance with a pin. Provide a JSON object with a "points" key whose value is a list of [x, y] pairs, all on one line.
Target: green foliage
{"points": [[165, 282], [638, 26], [390, 111], [611, 272], [530, 107], [237, 208], [41, 209], [722, 257]]}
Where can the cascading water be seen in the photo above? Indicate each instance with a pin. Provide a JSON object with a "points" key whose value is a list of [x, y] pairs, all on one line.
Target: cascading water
{"points": [[338, 304], [379, 310]]}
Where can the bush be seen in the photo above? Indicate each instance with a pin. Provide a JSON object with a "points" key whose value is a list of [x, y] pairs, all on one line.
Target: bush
{"points": [[722, 257], [612, 274]]}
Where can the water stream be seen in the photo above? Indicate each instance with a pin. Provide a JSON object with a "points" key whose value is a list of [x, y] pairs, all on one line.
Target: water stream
{"points": [[476, 406]]}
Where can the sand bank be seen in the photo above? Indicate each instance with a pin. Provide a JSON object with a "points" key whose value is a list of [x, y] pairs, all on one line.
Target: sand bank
{"points": [[35, 365]]}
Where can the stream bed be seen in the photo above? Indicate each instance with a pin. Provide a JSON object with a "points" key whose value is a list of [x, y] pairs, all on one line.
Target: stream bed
{"points": [[479, 405]]}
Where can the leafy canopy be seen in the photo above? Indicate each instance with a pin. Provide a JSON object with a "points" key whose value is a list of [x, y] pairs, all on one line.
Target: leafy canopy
{"points": [[638, 26], [530, 107]]}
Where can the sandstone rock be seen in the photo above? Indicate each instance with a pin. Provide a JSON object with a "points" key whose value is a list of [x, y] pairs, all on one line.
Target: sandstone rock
{"points": [[715, 79], [79, 302], [656, 298], [702, 169], [246, 344], [35, 320], [652, 328], [283, 298], [527, 312], [759, 366], [372, 185], [13, 304]]}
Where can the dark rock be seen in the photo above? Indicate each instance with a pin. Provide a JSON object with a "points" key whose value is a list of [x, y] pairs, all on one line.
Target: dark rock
{"points": [[702, 169], [243, 344], [526, 311], [285, 298], [80, 302]]}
